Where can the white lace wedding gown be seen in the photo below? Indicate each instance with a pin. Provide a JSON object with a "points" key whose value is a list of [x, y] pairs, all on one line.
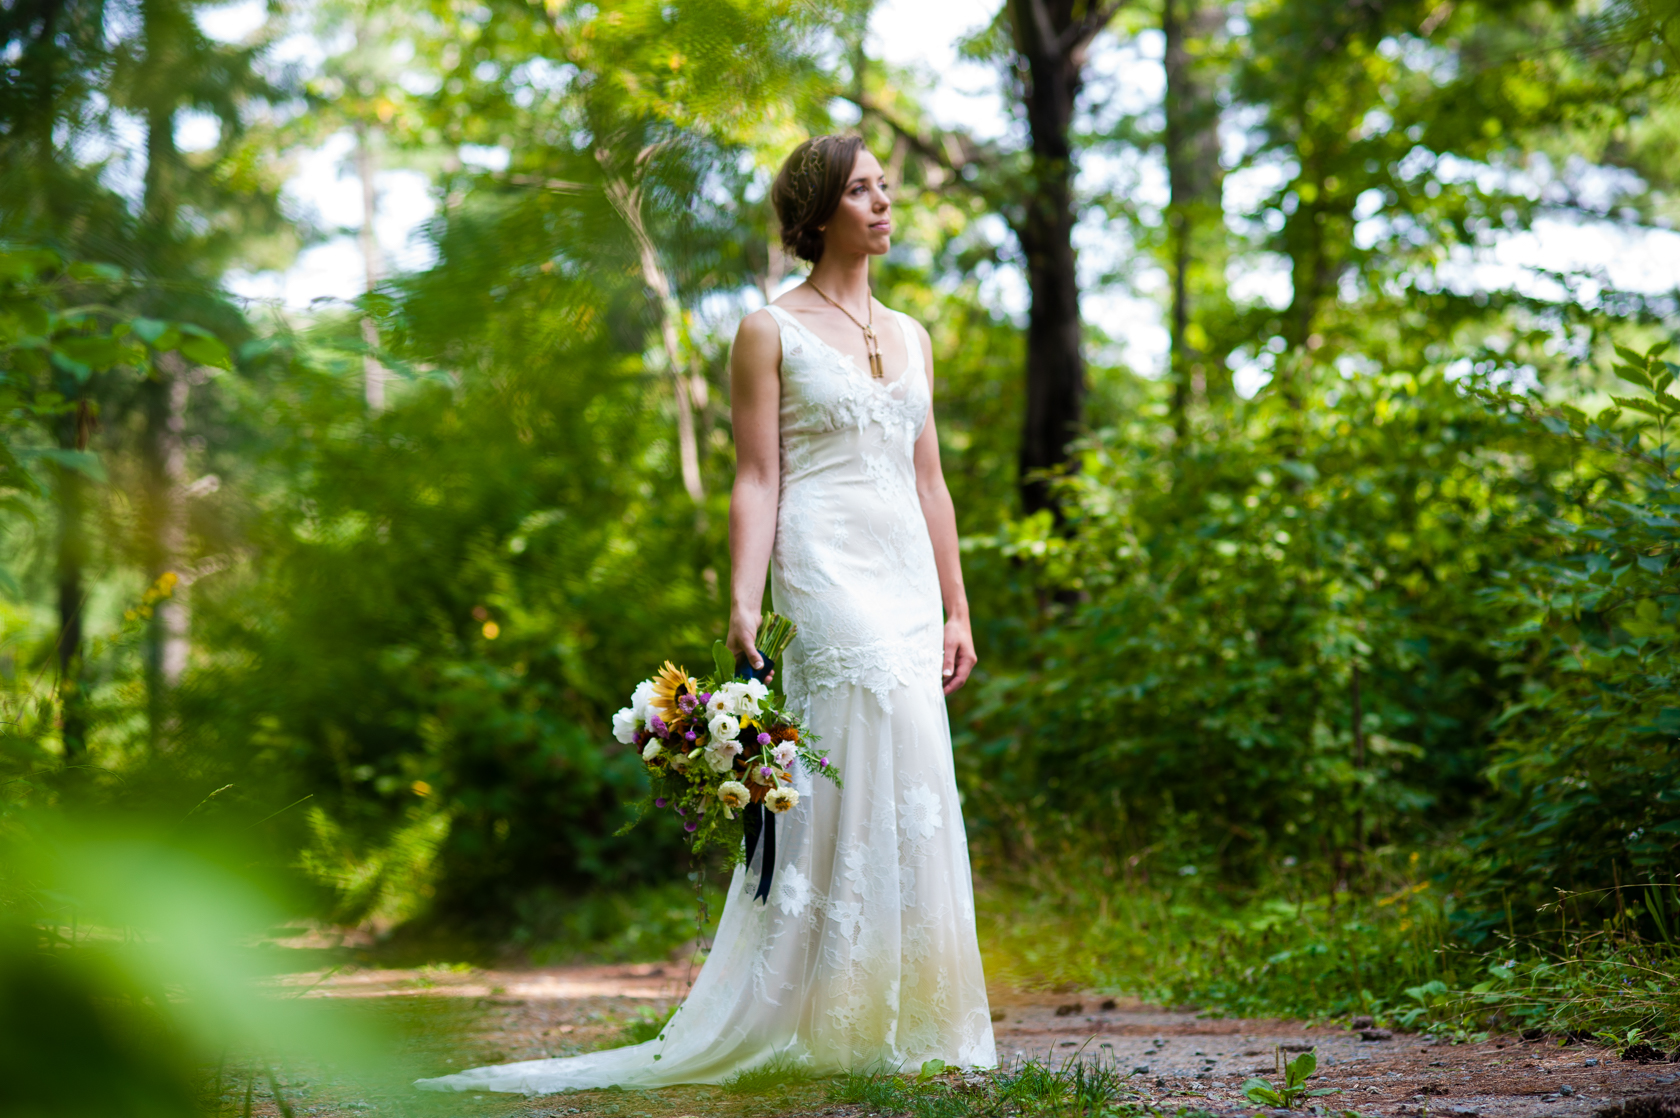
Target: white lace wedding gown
{"points": [[866, 955]]}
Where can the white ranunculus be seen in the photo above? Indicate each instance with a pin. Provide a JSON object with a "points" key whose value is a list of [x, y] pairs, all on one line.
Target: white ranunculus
{"points": [[739, 697], [784, 754], [756, 690], [724, 726], [641, 700], [651, 751], [624, 725]]}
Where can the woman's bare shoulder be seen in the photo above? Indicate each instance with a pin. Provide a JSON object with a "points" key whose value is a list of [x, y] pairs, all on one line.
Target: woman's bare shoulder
{"points": [[758, 341]]}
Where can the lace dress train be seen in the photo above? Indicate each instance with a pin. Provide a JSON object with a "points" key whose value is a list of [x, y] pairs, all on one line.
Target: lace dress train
{"points": [[865, 955]]}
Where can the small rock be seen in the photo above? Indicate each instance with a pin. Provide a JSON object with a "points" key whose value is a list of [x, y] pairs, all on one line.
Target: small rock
{"points": [[1566, 1090], [1108, 1004], [1433, 1089], [1362, 1023], [1590, 1062], [1141, 1069], [1069, 1010], [1069, 1043], [1375, 1034]]}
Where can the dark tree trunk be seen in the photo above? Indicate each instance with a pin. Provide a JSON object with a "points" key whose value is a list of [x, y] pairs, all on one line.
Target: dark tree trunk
{"points": [[73, 432], [1052, 41], [1194, 214]]}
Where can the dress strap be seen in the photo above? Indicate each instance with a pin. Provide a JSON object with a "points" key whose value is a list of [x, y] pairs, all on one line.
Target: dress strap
{"points": [[912, 346]]}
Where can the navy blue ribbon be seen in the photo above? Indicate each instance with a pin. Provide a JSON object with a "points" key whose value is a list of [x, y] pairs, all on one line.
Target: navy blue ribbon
{"points": [[754, 819]]}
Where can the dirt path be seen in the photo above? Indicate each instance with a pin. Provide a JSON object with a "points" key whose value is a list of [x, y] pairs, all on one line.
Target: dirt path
{"points": [[1177, 1058]]}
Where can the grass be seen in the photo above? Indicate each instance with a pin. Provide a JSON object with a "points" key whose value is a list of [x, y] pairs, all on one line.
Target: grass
{"points": [[1390, 955], [1074, 1088]]}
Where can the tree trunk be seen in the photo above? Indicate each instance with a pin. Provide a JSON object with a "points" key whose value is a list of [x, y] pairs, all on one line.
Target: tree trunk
{"points": [[1194, 213], [1055, 358], [689, 389], [73, 432], [373, 373], [167, 467]]}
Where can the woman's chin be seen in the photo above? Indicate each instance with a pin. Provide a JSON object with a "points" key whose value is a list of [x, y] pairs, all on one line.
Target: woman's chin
{"points": [[880, 245]]}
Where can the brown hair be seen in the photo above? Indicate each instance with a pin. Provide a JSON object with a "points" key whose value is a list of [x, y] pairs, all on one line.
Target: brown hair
{"points": [[808, 188]]}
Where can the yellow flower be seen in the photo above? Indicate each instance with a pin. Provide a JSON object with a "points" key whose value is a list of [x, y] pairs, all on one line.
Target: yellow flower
{"points": [[670, 682]]}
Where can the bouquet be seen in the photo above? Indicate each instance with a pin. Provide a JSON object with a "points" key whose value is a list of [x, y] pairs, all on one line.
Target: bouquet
{"points": [[722, 745]]}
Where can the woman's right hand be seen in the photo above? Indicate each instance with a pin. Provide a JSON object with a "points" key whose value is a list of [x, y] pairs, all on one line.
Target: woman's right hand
{"points": [[743, 637]]}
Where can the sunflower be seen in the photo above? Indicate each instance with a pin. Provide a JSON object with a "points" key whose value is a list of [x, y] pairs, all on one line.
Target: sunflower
{"points": [[669, 683]]}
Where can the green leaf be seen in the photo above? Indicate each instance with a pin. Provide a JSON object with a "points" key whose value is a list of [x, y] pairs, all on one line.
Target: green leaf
{"points": [[150, 329], [84, 462], [205, 350], [1320, 1092], [724, 662], [1300, 1068], [88, 272], [1628, 355], [930, 1068], [1649, 407], [1257, 1090]]}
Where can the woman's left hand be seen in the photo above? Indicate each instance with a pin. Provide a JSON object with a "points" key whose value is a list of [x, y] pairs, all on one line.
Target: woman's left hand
{"points": [[959, 653]]}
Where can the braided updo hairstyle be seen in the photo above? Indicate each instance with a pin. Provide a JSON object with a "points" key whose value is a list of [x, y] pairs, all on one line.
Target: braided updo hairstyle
{"points": [[808, 188]]}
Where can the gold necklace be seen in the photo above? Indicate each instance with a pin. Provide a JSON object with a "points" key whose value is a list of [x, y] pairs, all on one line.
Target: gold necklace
{"points": [[871, 344]]}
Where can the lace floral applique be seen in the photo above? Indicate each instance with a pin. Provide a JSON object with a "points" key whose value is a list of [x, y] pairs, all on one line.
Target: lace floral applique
{"points": [[793, 891], [920, 813]]}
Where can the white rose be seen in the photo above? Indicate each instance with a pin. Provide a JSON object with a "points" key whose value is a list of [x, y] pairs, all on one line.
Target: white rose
{"points": [[641, 700], [784, 754], [756, 690], [721, 756], [651, 751], [740, 697], [624, 725], [724, 726]]}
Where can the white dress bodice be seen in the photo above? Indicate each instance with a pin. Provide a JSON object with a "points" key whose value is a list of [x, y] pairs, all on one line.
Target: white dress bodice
{"points": [[853, 564]]}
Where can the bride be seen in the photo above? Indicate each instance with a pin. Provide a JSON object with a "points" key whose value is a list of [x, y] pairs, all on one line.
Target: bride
{"points": [[865, 956]]}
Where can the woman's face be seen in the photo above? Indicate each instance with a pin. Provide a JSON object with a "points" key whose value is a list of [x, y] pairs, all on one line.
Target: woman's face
{"points": [[863, 223]]}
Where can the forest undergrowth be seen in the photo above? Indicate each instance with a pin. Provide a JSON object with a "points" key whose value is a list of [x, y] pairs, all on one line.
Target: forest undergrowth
{"points": [[1392, 955]]}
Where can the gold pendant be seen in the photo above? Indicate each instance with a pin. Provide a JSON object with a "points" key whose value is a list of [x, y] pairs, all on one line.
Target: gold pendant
{"points": [[872, 346]]}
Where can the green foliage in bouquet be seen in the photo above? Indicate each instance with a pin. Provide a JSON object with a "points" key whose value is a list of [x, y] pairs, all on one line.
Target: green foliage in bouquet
{"points": [[715, 745]]}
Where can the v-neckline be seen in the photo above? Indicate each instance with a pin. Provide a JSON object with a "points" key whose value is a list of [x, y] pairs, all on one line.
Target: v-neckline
{"points": [[848, 358]]}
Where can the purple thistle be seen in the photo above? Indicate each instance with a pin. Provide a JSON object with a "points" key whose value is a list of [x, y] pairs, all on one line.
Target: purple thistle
{"points": [[690, 735], [764, 739], [705, 696], [824, 762], [687, 703], [660, 802], [680, 811], [691, 826], [764, 770], [659, 726]]}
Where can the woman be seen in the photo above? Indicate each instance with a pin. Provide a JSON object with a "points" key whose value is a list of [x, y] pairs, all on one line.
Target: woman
{"points": [[865, 955]]}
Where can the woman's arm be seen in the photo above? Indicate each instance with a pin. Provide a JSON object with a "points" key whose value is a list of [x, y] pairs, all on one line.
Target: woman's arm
{"points": [[941, 518], [755, 398]]}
